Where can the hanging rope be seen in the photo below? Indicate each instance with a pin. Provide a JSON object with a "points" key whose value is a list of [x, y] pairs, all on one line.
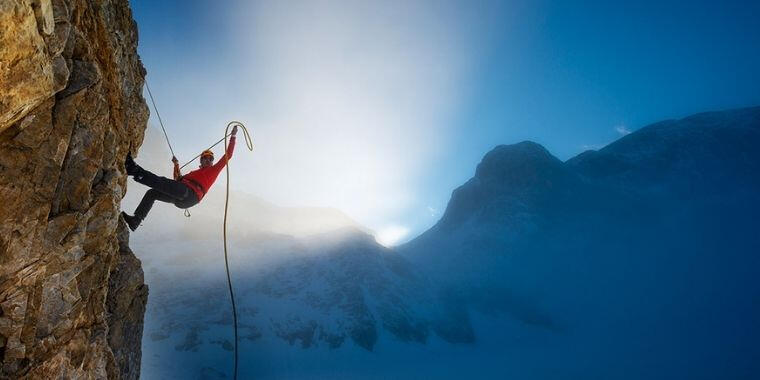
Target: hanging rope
{"points": [[249, 145], [159, 117]]}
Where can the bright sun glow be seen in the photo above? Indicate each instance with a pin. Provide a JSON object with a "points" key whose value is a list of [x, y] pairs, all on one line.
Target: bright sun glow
{"points": [[391, 235], [348, 110]]}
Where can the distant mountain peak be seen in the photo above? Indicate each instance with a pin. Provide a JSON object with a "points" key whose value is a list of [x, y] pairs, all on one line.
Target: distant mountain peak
{"points": [[708, 151], [526, 147], [522, 173], [516, 163]]}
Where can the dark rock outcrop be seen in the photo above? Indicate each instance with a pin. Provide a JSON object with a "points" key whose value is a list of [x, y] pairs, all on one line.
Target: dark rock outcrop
{"points": [[72, 296], [517, 177]]}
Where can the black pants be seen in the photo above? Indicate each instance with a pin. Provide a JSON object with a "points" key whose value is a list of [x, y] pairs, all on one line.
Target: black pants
{"points": [[162, 189]]}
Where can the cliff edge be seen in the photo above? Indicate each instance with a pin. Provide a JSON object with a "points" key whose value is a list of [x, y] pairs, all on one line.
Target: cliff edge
{"points": [[72, 296]]}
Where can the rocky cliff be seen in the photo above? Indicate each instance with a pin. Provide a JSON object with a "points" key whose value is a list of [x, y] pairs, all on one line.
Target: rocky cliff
{"points": [[72, 296]]}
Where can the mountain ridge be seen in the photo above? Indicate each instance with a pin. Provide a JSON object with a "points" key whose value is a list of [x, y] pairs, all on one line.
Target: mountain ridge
{"points": [[653, 232], [589, 165]]}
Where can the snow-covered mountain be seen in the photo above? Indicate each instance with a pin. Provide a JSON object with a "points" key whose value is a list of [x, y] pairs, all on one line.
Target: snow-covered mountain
{"points": [[337, 292], [644, 252], [635, 261]]}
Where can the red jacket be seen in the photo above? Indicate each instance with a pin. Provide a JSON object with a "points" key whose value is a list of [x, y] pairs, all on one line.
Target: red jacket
{"points": [[201, 180]]}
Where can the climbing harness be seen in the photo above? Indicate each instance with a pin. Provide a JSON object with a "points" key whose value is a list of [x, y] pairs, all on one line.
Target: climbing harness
{"points": [[249, 145]]}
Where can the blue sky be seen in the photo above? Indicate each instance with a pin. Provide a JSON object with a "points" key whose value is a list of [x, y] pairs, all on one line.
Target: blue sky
{"points": [[381, 109]]}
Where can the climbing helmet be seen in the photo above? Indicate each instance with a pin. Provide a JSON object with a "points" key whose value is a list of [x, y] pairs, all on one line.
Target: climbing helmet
{"points": [[207, 153]]}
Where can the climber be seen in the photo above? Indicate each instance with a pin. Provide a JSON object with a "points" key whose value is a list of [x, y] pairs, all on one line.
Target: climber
{"points": [[184, 191]]}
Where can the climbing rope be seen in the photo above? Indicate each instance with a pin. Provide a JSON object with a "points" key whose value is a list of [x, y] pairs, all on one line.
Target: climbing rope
{"points": [[159, 117], [249, 145], [161, 122], [209, 148]]}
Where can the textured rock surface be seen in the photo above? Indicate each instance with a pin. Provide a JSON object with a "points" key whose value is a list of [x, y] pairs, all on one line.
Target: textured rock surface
{"points": [[72, 296]]}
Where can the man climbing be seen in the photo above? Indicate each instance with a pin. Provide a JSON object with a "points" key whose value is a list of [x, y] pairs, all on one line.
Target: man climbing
{"points": [[184, 191]]}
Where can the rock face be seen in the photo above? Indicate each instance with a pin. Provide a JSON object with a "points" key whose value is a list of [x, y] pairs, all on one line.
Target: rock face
{"points": [[72, 296]]}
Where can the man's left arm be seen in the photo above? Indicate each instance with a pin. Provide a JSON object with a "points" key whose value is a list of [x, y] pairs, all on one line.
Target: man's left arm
{"points": [[230, 149]]}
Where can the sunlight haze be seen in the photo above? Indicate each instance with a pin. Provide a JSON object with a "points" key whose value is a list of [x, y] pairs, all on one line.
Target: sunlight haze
{"points": [[381, 109]]}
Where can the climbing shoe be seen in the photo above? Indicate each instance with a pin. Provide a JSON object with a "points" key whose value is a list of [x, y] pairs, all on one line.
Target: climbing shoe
{"points": [[130, 165], [132, 221]]}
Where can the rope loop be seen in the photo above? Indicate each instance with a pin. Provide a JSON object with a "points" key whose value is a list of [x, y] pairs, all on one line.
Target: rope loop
{"points": [[246, 135]]}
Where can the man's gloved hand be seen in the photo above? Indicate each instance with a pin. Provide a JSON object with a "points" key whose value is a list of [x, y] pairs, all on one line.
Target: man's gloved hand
{"points": [[234, 131]]}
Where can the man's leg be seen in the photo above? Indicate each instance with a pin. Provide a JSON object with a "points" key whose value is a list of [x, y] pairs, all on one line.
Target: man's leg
{"points": [[165, 185], [149, 198], [130, 164], [144, 207]]}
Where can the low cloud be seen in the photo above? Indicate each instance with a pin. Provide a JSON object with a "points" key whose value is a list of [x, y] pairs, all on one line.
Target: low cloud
{"points": [[622, 130]]}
